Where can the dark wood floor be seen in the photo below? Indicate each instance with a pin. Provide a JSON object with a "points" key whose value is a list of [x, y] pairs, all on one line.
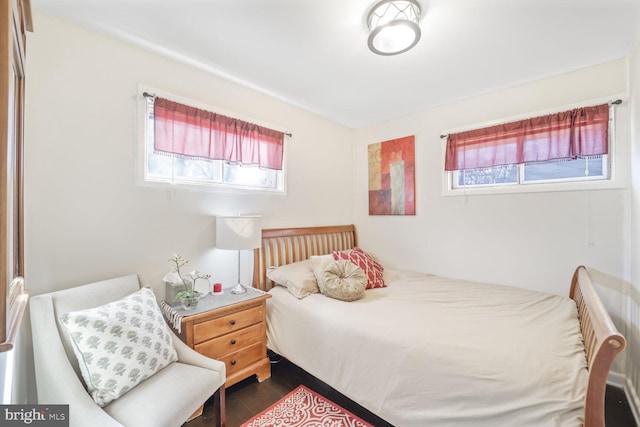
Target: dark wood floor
{"points": [[249, 398]]}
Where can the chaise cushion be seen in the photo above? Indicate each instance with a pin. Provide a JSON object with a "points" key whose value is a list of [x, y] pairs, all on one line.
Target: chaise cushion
{"points": [[120, 344], [168, 398]]}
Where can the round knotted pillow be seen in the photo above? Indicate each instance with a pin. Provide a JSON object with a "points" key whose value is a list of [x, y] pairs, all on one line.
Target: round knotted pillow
{"points": [[343, 280]]}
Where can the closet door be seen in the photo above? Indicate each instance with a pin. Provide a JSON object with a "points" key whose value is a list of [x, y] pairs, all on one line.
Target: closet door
{"points": [[15, 19]]}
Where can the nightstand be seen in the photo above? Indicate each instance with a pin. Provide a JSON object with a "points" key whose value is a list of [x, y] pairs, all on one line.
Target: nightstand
{"points": [[230, 328]]}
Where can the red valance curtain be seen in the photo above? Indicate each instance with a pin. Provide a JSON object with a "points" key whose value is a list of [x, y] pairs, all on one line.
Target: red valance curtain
{"points": [[582, 132], [190, 132]]}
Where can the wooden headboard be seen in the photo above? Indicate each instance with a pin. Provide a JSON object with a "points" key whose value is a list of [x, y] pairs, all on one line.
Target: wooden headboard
{"points": [[286, 245]]}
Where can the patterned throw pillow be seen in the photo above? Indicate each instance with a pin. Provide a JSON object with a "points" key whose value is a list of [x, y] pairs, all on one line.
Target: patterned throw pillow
{"points": [[120, 344], [370, 266], [343, 280]]}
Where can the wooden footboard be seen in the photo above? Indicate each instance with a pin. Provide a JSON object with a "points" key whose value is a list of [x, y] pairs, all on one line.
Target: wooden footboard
{"points": [[602, 343], [286, 245]]}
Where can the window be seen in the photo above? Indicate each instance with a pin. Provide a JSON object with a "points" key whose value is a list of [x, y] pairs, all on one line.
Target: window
{"points": [[557, 148], [579, 169], [189, 146]]}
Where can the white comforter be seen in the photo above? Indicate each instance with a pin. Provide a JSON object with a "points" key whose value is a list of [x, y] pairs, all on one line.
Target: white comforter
{"points": [[429, 352]]}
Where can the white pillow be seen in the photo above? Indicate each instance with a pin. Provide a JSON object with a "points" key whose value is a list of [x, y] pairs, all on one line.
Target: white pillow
{"points": [[297, 277], [319, 264], [120, 344]]}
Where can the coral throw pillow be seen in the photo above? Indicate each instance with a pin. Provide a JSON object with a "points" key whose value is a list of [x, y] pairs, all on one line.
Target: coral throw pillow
{"points": [[367, 263]]}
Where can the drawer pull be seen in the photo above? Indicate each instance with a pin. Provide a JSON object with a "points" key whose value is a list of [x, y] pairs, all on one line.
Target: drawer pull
{"points": [[233, 362], [233, 322], [233, 342]]}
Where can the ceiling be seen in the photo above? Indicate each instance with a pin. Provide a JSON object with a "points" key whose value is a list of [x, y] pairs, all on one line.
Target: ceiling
{"points": [[313, 53]]}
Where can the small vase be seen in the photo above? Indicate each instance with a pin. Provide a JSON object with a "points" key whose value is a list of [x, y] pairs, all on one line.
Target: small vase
{"points": [[190, 303]]}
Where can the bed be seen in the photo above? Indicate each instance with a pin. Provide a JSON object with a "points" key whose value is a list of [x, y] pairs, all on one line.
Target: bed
{"points": [[427, 350]]}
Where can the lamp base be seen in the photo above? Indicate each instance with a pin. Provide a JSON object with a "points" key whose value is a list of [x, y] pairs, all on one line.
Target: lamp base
{"points": [[238, 289]]}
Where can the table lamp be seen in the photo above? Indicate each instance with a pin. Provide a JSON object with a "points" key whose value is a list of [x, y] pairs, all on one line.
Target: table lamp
{"points": [[238, 233]]}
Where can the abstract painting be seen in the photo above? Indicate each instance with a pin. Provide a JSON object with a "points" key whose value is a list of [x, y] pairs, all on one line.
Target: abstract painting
{"points": [[392, 177]]}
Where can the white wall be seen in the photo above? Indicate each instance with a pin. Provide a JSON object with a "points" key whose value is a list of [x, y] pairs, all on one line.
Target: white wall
{"points": [[87, 220], [495, 238], [533, 240], [85, 217]]}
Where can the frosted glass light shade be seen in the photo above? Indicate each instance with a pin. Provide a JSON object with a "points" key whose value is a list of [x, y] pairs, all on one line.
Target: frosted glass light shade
{"points": [[238, 232], [393, 26]]}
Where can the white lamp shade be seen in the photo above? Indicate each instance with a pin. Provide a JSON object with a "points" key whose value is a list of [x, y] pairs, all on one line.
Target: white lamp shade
{"points": [[238, 232]]}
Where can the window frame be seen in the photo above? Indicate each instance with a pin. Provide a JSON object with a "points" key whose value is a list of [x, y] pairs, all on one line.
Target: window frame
{"points": [[16, 17], [195, 185], [617, 166]]}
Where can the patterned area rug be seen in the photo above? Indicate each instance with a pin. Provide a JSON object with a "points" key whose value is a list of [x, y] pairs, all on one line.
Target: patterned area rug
{"points": [[303, 407]]}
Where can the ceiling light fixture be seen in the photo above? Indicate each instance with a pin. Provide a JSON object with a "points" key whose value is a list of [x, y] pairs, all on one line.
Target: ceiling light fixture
{"points": [[393, 26]]}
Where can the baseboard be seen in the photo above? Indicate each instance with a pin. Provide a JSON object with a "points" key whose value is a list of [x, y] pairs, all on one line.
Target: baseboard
{"points": [[632, 398], [617, 380]]}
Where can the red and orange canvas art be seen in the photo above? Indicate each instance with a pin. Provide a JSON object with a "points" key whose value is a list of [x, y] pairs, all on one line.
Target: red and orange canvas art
{"points": [[392, 177]]}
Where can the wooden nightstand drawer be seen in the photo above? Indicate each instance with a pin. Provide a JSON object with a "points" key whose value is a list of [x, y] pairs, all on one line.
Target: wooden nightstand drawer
{"points": [[234, 333], [225, 324], [217, 348], [243, 358]]}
